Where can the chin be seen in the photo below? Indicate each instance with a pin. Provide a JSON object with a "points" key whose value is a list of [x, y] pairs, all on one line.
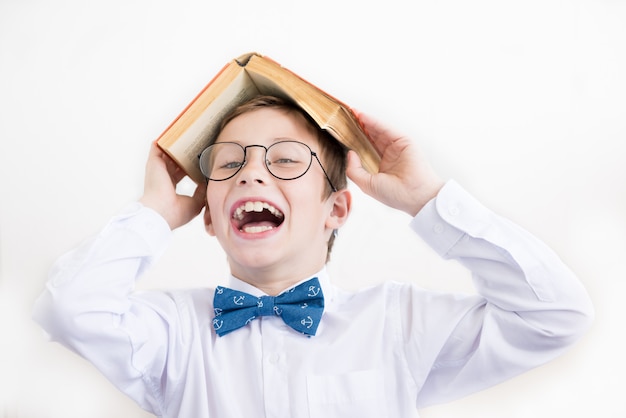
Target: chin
{"points": [[257, 259]]}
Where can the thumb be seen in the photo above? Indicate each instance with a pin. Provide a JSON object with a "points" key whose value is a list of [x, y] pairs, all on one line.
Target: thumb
{"points": [[355, 171], [196, 202], [189, 206]]}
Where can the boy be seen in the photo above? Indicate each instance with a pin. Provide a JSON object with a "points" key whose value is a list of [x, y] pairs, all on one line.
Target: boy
{"points": [[275, 194]]}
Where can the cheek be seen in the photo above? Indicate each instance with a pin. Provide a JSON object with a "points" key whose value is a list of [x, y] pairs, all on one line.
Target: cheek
{"points": [[208, 224], [208, 221], [311, 213], [214, 218]]}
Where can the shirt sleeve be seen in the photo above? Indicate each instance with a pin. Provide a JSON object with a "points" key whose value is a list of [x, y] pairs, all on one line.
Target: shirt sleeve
{"points": [[529, 307], [87, 304]]}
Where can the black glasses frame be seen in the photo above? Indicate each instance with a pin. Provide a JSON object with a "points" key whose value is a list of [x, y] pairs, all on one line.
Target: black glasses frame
{"points": [[245, 160]]}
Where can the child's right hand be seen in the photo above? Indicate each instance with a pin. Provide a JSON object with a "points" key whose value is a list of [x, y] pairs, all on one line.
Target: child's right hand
{"points": [[162, 176]]}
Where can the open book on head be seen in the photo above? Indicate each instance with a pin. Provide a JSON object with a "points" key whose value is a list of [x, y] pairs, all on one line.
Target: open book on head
{"points": [[238, 81]]}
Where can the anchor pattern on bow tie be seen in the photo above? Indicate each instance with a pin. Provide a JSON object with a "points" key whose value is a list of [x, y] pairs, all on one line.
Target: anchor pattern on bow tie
{"points": [[300, 307]]}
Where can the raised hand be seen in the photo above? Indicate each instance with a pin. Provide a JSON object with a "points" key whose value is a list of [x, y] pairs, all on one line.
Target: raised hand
{"points": [[405, 180], [162, 176]]}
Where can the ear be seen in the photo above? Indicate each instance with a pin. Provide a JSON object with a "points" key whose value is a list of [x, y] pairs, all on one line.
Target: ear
{"points": [[208, 225], [341, 206]]}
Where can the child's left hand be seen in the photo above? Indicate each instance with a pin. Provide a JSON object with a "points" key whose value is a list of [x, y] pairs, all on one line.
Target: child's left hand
{"points": [[405, 180]]}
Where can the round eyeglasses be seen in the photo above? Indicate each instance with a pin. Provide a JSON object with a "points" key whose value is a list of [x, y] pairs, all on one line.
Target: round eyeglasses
{"points": [[285, 160]]}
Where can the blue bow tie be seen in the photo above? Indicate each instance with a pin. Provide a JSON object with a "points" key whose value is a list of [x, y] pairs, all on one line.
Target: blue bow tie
{"points": [[300, 307]]}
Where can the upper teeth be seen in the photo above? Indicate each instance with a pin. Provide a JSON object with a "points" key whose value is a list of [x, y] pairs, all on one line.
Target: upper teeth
{"points": [[256, 207]]}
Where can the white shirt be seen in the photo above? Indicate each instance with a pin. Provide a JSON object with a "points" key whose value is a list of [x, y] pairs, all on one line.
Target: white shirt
{"points": [[380, 352]]}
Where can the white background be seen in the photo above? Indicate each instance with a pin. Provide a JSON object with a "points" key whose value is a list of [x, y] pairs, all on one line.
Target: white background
{"points": [[521, 102]]}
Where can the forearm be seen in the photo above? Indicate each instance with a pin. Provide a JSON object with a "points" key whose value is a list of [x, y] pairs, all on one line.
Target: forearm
{"points": [[104, 269], [98, 276], [533, 307], [511, 268], [87, 303]]}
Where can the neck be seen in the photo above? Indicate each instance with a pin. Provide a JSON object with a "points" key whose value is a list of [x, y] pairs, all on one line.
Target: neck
{"points": [[271, 281]]}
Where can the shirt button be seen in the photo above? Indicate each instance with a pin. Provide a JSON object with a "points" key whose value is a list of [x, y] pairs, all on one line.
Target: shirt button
{"points": [[273, 358], [454, 211], [438, 228]]}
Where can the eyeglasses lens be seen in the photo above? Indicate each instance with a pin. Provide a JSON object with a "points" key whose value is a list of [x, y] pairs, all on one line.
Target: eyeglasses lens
{"points": [[285, 159]]}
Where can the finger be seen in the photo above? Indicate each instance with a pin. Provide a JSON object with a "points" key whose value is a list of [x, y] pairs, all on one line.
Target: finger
{"points": [[380, 135], [155, 150], [192, 205], [355, 171], [176, 173], [199, 195], [174, 170]]}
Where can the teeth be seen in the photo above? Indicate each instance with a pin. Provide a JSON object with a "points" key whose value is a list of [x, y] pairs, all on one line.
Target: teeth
{"points": [[256, 229], [256, 207]]}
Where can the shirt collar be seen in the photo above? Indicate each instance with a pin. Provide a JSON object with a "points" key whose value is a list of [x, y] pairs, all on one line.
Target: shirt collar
{"points": [[322, 275]]}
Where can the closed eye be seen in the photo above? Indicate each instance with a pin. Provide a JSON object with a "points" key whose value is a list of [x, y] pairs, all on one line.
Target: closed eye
{"points": [[232, 165], [284, 161]]}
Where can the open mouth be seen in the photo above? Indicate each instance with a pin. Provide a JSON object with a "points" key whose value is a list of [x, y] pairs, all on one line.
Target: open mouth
{"points": [[254, 217]]}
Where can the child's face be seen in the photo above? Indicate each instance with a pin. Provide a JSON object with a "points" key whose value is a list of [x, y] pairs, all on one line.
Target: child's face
{"points": [[292, 231]]}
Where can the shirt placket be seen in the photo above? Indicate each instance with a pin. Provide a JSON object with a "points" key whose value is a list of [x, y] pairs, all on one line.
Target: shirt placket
{"points": [[275, 383]]}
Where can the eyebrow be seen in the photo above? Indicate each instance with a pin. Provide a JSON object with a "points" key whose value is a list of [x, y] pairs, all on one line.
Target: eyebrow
{"points": [[274, 140]]}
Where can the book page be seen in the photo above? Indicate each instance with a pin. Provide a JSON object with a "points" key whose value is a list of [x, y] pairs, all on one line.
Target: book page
{"points": [[195, 138], [328, 113], [315, 103], [267, 86]]}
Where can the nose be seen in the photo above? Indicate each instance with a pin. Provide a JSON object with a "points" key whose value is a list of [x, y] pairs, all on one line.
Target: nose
{"points": [[254, 169]]}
